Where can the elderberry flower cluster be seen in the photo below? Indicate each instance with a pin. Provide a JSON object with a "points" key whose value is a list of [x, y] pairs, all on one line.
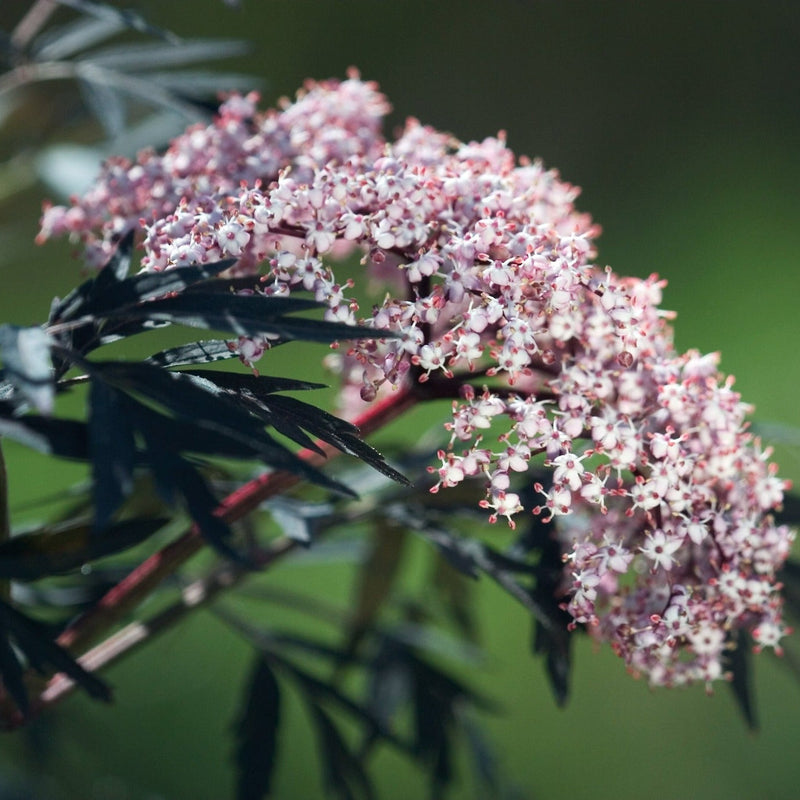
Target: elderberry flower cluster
{"points": [[660, 496]]}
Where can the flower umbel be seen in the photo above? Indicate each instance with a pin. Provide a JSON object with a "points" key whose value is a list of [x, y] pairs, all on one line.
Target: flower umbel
{"points": [[659, 495]]}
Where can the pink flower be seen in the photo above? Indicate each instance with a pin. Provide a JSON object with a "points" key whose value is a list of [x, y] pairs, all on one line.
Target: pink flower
{"points": [[660, 497], [660, 549], [232, 238]]}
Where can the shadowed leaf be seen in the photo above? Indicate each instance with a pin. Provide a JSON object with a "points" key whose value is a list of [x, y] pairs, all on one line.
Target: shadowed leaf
{"points": [[298, 519], [125, 17], [789, 576], [433, 721], [375, 580], [242, 315], [313, 688], [334, 431], [200, 403], [790, 510], [555, 645], [389, 685], [736, 660], [106, 105], [553, 641], [109, 295], [343, 773], [63, 41], [112, 449], [66, 438], [143, 57], [259, 385], [257, 733], [176, 478], [456, 595], [437, 698], [206, 352], [472, 557], [113, 272], [35, 642], [11, 670], [482, 757], [62, 548]]}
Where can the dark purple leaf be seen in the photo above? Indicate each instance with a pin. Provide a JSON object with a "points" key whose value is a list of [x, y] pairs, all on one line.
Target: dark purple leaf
{"points": [[257, 733]]}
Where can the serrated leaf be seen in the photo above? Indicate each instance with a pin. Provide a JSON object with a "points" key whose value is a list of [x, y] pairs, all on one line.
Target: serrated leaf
{"points": [[58, 437], [235, 387], [789, 513], [104, 297], [291, 431], [789, 576], [257, 733], [555, 645], [209, 409], [553, 641], [313, 688], [298, 520], [195, 85], [53, 550], [106, 107], [58, 43], [482, 756], [376, 577], [37, 645], [471, 557], [246, 315], [334, 431], [144, 57], [433, 720], [389, 685], [113, 451], [11, 671], [126, 18], [204, 352], [28, 365], [343, 773], [176, 478], [456, 595], [260, 385], [85, 338], [112, 273], [736, 660]]}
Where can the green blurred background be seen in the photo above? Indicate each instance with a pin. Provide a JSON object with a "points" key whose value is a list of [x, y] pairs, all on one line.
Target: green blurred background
{"points": [[681, 123]]}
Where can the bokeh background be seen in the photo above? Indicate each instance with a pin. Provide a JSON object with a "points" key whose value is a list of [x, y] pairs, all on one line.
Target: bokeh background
{"points": [[681, 122]]}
